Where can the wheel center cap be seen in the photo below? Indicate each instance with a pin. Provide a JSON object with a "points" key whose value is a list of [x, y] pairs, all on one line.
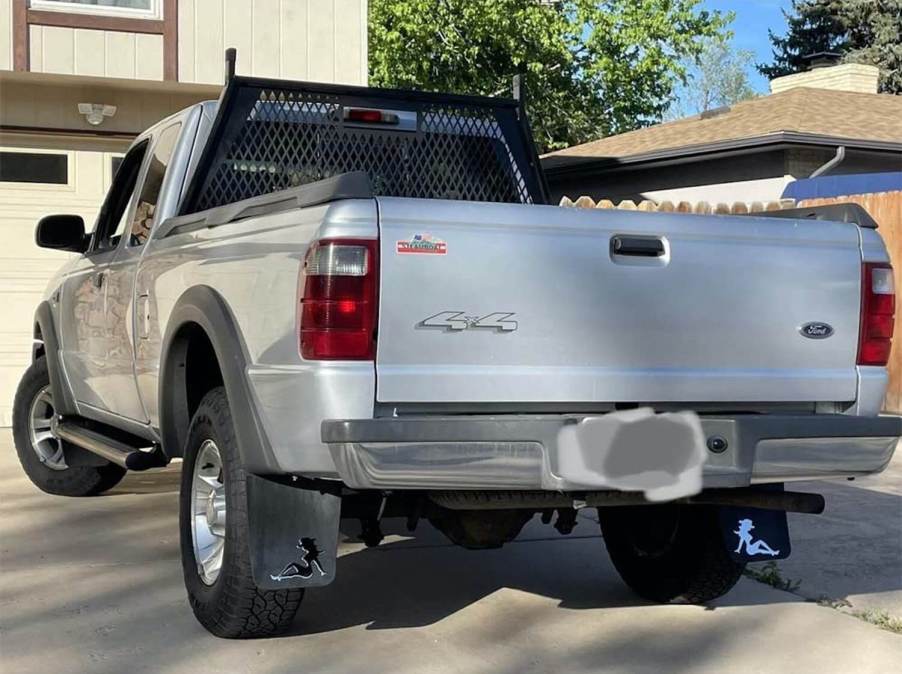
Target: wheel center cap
{"points": [[215, 509]]}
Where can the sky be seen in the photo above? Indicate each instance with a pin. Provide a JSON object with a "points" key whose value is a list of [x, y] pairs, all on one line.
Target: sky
{"points": [[753, 18]]}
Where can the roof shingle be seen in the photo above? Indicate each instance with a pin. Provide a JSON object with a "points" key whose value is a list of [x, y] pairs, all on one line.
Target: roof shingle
{"points": [[821, 112]]}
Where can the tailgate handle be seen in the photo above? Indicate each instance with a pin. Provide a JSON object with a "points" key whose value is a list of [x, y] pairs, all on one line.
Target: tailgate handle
{"points": [[639, 246]]}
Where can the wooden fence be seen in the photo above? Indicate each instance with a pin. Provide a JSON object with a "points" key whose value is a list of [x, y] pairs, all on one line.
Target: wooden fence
{"points": [[884, 207], [700, 207]]}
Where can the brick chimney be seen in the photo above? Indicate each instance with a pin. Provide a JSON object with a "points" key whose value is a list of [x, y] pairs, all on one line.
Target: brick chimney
{"points": [[846, 77]]}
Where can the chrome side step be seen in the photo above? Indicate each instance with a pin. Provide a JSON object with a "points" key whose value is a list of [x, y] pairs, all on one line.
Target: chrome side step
{"points": [[115, 451]]}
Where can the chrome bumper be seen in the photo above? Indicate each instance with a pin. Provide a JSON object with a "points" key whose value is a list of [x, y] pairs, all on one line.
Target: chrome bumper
{"points": [[521, 452]]}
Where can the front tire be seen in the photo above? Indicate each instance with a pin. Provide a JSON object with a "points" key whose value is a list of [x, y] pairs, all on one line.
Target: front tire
{"points": [[670, 552], [42, 454], [214, 533]]}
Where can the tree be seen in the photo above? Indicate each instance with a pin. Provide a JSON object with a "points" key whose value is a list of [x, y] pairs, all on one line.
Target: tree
{"points": [[875, 38], [863, 31], [814, 26], [718, 76], [592, 68]]}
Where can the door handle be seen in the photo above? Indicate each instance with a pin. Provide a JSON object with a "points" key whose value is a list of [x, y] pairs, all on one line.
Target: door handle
{"points": [[97, 279], [638, 246], [141, 309]]}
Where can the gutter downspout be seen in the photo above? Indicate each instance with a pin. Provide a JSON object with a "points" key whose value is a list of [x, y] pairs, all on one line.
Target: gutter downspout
{"points": [[831, 164]]}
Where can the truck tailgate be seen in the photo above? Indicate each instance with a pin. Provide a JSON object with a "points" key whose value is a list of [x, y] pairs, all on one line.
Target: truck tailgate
{"points": [[508, 303]]}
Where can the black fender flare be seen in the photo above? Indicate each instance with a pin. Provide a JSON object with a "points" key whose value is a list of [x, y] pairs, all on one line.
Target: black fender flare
{"points": [[62, 396], [204, 307]]}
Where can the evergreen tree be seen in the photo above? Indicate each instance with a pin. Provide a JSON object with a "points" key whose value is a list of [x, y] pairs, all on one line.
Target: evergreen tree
{"points": [[875, 38], [863, 31], [814, 26]]}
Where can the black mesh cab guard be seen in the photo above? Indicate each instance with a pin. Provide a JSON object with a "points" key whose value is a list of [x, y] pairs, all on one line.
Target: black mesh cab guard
{"points": [[270, 135]]}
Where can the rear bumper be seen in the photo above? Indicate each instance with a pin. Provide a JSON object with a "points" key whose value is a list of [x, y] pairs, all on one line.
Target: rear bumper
{"points": [[521, 452]]}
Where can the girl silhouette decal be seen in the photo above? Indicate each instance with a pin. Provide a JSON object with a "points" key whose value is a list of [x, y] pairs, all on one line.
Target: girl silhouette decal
{"points": [[752, 547], [305, 566]]}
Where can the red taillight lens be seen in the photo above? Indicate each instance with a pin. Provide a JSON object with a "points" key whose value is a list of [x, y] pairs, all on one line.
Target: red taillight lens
{"points": [[878, 308], [370, 116], [340, 300]]}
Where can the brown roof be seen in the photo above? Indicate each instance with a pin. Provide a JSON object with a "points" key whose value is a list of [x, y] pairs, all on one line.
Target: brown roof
{"points": [[825, 113]]}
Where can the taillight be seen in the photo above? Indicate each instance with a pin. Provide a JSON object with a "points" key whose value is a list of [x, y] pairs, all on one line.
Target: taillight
{"points": [[878, 308], [370, 116], [340, 300]]}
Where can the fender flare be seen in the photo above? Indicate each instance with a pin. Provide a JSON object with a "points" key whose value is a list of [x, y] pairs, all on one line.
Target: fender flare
{"points": [[62, 396], [204, 307]]}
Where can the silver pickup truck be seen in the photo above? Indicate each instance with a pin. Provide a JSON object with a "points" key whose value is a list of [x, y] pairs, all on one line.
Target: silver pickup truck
{"points": [[336, 302]]}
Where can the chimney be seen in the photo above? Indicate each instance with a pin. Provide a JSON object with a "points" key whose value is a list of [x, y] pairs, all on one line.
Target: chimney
{"points": [[845, 77]]}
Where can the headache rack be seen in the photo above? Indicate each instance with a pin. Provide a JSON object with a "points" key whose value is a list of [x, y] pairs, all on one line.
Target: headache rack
{"points": [[271, 135]]}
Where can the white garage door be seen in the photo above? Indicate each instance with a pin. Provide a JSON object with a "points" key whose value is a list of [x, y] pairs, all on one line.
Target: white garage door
{"points": [[35, 182]]}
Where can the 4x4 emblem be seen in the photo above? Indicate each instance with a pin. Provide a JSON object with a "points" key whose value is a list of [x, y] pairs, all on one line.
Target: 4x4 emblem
{"points": [[460, 320]]}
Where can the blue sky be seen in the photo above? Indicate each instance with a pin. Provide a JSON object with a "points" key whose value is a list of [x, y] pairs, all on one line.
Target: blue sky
{"points": [[753, 18]]}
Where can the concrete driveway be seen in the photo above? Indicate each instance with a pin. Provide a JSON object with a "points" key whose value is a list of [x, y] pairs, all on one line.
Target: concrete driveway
{"points": [[94, 585]]}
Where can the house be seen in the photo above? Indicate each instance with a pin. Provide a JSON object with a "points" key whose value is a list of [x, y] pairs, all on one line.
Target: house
{"points": [[79, 80], [827, 120]]}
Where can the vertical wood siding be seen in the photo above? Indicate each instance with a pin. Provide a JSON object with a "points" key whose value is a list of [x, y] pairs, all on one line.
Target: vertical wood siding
{"points": [[321, 40], [6, 35], [78, 51]]}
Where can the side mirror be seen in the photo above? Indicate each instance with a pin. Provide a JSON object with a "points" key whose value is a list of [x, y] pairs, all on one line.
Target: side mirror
{"points": [[62, 232]]}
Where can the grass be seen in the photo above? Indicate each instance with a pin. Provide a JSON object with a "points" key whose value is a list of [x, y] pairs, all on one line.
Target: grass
{"points": [[881, 619], [769, 574]]}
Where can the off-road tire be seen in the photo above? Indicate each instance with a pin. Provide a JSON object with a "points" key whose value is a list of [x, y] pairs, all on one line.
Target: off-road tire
{"points": [[670, 552], [233, 606], [75, 480]]}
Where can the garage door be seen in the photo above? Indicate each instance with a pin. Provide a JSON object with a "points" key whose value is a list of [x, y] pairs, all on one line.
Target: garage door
{"points": [[34, 182]]}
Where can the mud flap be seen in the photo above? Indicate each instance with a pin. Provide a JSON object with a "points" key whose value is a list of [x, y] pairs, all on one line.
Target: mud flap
{"points": [[755, 535], [293, 534]]}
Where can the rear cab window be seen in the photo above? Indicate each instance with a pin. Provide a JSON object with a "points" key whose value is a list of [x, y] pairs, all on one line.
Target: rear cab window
{"points": [[145, 211]]}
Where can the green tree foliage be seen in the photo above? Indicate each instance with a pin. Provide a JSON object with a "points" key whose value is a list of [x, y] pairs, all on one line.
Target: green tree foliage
{"points": [[592, 68], [813, 26], [863, 31], [875, 38], [718, 76]]}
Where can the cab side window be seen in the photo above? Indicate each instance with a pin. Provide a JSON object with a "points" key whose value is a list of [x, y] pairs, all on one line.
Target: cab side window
{"points": [[145, 211], [111, 222]]}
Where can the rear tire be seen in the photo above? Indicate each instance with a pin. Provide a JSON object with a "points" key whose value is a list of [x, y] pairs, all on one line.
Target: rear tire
{"points": [[222, 592], [41, 453], [670, 552]]}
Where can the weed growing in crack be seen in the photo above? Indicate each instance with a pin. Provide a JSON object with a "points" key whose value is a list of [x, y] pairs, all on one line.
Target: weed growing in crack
{"points": [[769, 574]]}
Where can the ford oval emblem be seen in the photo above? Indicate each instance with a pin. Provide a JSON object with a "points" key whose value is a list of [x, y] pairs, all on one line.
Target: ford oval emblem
{"points": [[816, 330]]}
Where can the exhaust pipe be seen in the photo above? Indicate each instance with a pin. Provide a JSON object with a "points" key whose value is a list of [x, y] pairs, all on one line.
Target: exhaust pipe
{"points": [[787, 501]]}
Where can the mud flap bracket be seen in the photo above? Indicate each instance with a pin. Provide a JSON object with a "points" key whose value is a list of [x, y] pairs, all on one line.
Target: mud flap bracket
{"points": [[293, 534]]}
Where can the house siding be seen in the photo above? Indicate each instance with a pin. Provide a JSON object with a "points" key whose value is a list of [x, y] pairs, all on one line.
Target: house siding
{"points": [[78, 51], [760, 176], [290, 39], [6, 34]]}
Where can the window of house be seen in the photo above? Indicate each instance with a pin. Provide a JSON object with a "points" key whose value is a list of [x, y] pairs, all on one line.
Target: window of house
{"points": [[145, 211], [115, 163], [141, 9], [34, 167]]}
